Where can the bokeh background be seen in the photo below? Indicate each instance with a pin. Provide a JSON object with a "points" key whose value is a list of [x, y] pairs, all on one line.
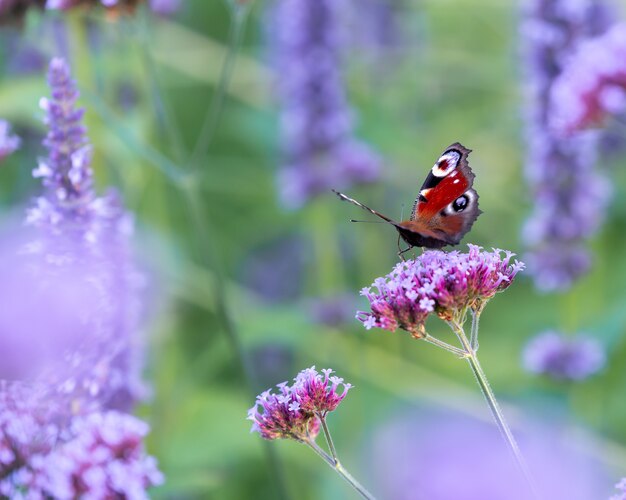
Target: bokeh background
{"points": [[249, 291]]}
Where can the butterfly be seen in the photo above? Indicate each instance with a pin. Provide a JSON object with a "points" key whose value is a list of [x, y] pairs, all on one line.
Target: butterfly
{"points": [[445, 208]]}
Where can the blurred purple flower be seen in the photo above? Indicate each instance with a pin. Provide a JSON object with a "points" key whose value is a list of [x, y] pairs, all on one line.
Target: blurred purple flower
{"points": [[444, 283], [569, 197], [316, 122], [8, 143], [69, 331], [98, 456], [592, 83], [332, 311], [294, 413], [165, 7], [620, 486], [562, 358], [443, 457]]}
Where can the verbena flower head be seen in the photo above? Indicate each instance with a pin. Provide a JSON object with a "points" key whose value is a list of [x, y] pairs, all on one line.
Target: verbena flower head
{"points": [[295, 410], [98, 456], [8, 143], [562, 358], [319, 145], [592, 84], [442, 283]]}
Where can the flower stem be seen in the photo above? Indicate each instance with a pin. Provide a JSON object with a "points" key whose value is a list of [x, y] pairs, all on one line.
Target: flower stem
{"points": [[496, 411], [212, 117], [336, 465], [474, 332], [329, 439], [444, 345]]}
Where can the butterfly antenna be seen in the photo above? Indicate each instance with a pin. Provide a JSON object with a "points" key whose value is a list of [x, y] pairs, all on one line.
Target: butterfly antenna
{"points": [[364, 207], [369, 221]]}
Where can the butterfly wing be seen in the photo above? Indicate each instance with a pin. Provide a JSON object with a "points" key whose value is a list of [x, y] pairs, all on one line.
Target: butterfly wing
{"points": [[446, 206]]}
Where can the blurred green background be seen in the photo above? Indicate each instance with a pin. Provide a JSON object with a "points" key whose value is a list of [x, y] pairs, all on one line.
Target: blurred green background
{"points": [[238, 277]]}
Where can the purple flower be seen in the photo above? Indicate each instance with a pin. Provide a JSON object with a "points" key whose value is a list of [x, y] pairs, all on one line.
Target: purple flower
{"points": [[620, 486], [72, 300], [8, 143], [439, 456], [444, 283], [592, 83], [295, 411], [569, 197], [317, 125], [100, 456], [553, 354]]}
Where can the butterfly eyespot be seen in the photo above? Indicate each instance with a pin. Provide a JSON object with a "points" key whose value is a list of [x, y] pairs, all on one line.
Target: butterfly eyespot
{"points": [[460, 203]]}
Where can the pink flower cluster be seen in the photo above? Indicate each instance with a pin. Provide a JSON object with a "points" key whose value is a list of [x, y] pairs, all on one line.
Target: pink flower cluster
{"points": [[444, 283], [592, 84], [100, 455], [294, 412]]}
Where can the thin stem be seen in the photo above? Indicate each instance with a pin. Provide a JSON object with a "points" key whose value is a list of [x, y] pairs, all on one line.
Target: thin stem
{"points": [[444, 345], [329, 439], [496, 411], [474, 331], [340, 469], [212, 116]]}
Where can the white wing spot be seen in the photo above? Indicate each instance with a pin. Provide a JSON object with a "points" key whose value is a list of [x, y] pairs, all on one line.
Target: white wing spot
{"points": [[456, 181]]}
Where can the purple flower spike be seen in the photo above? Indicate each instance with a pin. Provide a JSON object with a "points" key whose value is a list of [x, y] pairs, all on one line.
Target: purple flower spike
{"points": [[294, 412], [316, 122], [562, 358], [622, 487], [570, 197], [592, 84], [8, 143], [444, 283]]}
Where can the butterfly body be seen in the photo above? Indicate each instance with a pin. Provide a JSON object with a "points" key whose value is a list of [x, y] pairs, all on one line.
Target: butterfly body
{"points": [[446, 206]]}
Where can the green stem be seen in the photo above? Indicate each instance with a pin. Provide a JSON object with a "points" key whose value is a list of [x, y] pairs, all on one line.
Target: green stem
{"points": [[496, 411], [212, 116], [474, 331], [336, 465], [444, 345], [329, 439]]}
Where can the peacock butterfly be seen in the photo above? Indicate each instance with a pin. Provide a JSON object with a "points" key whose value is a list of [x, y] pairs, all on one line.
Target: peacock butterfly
{"points": [[445, 208]]}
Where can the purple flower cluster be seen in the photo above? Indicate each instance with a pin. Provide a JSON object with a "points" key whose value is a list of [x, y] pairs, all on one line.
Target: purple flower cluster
{"points": [[444, 283], [316, 122], [100, 456], [295, 411], [8, 143], [592, 84], [562, 358], [569, 197], [69, 332], [620, 486]]}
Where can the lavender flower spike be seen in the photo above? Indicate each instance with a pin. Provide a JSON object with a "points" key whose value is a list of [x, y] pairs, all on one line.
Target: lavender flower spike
{"points": [[553, 354], [295, 411], [8, 143], [569, 196], [443, 283], [316, 122]]}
